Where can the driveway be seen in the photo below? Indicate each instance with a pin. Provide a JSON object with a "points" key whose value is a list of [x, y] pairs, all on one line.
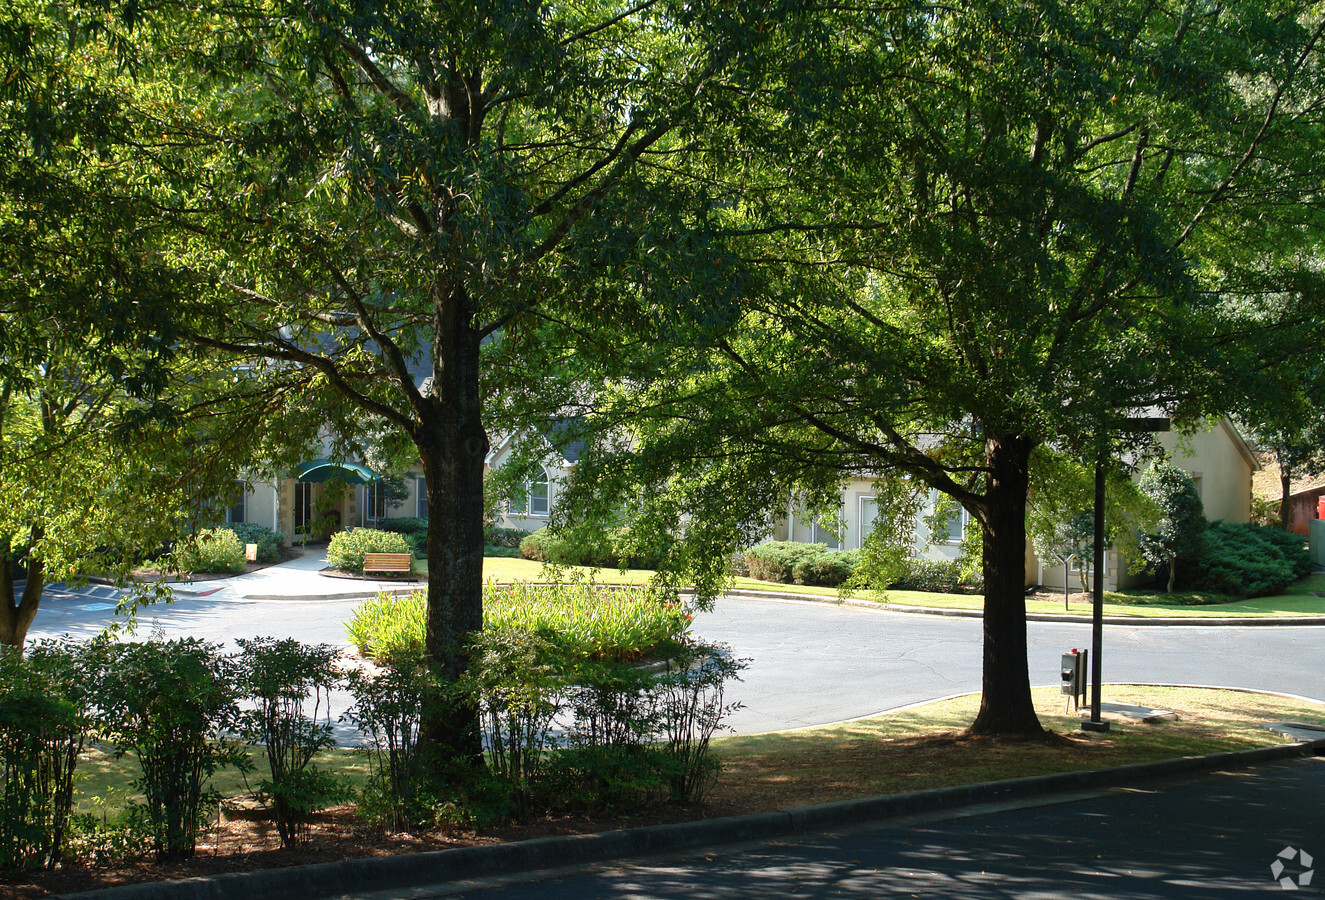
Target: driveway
{"points": [[810, 663]]}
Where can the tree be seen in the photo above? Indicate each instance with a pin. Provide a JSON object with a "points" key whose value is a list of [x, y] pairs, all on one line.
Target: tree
{"points": [[387, 200], [1060, 518], [1007, 227], [1289, 426], [1179, 533], [97, 466]]}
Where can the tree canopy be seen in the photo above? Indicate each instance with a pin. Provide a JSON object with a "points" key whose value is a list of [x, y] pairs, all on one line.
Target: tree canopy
{"points": [[1006, 227], [377, 208]]}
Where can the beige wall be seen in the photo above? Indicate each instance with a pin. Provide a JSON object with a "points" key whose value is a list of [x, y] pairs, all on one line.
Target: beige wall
{"points": [[1221, 471], [1217, 459], [558, 473], [857, 515]]}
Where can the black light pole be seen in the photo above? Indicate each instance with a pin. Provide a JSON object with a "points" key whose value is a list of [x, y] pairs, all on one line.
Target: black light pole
{"points": [[1136, 423], [1095, 723]]}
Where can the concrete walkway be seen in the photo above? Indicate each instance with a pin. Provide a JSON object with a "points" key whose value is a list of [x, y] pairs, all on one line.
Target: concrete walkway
{"points": [[300, 578]]}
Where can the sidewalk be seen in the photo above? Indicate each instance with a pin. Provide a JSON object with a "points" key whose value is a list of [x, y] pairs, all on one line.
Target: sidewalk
{"points": [[301, 577]]}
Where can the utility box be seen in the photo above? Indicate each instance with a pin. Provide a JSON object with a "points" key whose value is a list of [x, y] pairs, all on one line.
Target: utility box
{"points": [[1073, 675], [1316, 540]]}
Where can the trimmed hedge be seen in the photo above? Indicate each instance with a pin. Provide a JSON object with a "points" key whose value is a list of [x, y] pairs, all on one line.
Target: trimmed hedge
{"points": [[777, 560], [939, 576], [269, 542], [212, 550], [346, 549], [414, 529], [1250, 560], [791, 562], [584, 548], [504, 537]]}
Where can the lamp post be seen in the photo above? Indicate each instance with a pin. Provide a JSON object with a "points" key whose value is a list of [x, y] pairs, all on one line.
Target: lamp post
{"points": [[1133, 424]]}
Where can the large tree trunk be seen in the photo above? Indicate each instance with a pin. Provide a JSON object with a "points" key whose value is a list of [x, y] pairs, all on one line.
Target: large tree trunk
{"points": [[16, 615], [453, 447], [1005, 702]]}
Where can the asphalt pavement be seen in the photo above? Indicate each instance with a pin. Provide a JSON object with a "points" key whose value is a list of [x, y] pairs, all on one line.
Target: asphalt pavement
{"points": [[1214, 836], [810, 663], [1220, 835]]}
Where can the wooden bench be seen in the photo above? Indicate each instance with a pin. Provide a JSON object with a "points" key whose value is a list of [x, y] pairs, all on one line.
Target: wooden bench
{"points": [[386, 563]]}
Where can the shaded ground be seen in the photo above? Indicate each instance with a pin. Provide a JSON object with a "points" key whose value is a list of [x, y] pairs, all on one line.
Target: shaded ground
{"points": [[911, 750]]}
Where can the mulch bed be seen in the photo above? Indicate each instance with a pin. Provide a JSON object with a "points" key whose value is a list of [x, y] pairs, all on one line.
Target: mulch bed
{"points": [[246, 840]]}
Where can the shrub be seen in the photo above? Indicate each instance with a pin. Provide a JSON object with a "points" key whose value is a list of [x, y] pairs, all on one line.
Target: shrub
{"points": [[211, 550], [1265, 511], [791, 562], [542, 546], [1250, 560], [585, 546], [578, 621], [1179, 535], [589, 622], [347, 549], [388, 707], [269, 541], [170, 703], [44, 723], [828, 569], [939, 576], [388, 629], [777, 560], [516, 686], [504, 537], [688, 699], [638, 735], [415, 531], [280, 677]]}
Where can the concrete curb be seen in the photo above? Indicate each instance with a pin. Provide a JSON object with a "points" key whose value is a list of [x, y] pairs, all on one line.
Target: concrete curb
{"points": [[398, 872], [1194, 622]]}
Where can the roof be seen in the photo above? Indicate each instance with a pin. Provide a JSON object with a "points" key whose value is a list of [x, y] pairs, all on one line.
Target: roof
{"points": [[1265, 483]]}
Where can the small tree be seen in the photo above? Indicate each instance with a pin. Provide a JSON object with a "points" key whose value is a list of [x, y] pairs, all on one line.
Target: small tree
{"points": [[1180, 531], [1068, 539], [171, 703], [283, 678]]}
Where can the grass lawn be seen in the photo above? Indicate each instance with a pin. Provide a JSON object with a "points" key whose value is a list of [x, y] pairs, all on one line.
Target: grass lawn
{"points": [[1299, 600], [921, 748]]}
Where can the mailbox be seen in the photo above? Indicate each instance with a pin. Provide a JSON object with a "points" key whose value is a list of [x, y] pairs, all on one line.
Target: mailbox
{"points": [[1073, 674]]}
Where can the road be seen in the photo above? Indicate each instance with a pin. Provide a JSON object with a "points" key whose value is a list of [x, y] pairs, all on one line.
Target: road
{"points": [[1212, 837], [814, 663]]}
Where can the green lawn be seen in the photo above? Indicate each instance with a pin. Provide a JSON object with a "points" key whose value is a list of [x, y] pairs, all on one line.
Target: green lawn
{"points": [[920, 748], [1299, 600]]}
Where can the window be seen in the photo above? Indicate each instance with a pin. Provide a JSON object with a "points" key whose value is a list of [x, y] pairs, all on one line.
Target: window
{"points": [[869, 513], [537, 494], [236, 510], [821, 535], [421, 497], [954, 529], [374, 500]]}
